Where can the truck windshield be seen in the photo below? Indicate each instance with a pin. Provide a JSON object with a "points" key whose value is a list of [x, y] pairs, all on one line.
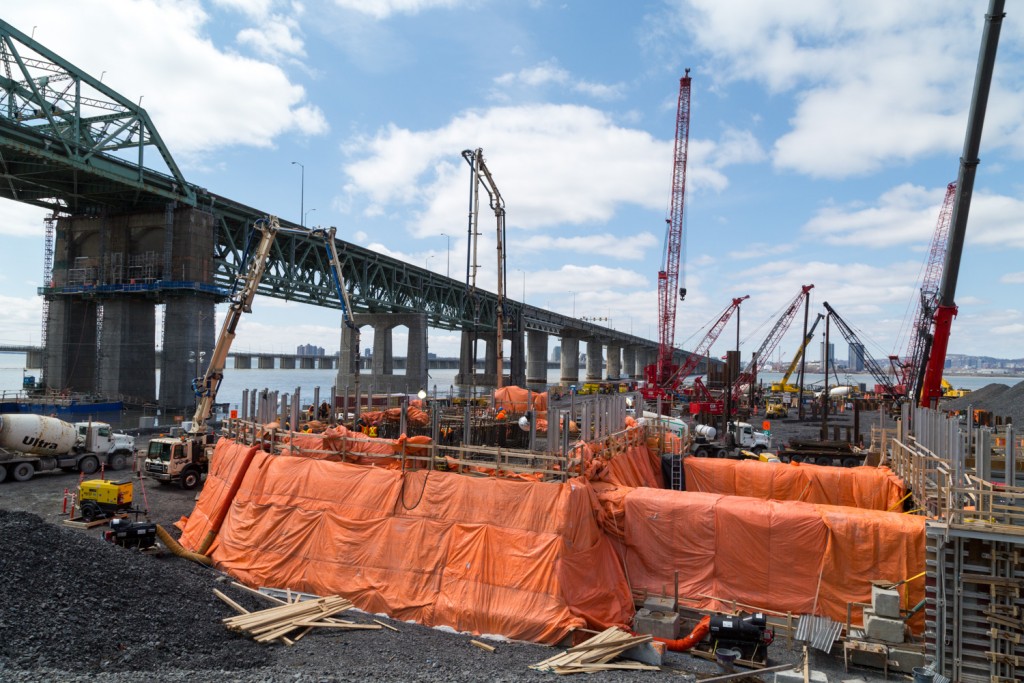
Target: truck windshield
{"points": [[159, 451]]}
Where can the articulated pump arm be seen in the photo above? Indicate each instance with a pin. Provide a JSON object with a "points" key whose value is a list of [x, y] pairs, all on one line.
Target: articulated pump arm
{"points": [[870, 363], [348, 316], [206, 387]]}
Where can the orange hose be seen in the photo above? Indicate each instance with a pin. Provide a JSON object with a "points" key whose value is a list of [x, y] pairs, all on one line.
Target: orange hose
{"points": [[687, 643]]}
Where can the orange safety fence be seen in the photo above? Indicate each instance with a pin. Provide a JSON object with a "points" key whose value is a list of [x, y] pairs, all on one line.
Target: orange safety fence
{"points": [[781, 556], [485, 555], [869, 488]]}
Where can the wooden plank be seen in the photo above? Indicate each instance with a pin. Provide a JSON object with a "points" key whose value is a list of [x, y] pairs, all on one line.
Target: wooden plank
{"points": [[257, 593], [483, 646], [745, 674], [387, 626]]}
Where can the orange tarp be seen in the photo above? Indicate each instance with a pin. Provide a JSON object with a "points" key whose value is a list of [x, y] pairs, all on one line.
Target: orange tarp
{"points": [[517, 400], [485, 555], [870, 488], [782, 556]]}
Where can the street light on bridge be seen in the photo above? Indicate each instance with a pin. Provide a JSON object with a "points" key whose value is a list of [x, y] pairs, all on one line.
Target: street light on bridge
{"points": [[302, 192]]}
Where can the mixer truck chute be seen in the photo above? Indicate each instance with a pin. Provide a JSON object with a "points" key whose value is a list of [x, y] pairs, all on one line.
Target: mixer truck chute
{"points": [[32, 443]]}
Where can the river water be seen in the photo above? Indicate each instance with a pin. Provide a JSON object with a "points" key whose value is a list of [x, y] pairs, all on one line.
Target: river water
{"points": [[441, 381]]}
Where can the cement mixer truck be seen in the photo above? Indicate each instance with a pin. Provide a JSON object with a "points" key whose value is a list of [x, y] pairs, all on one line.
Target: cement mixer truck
{"points": [[32, 443], [707, 442]]}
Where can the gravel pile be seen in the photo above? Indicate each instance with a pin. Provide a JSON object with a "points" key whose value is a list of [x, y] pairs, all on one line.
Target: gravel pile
{"points": [[1001, 400]]}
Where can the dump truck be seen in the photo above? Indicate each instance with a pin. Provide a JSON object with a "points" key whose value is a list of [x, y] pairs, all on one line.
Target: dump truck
{"points": [[32, 443], [739, 436]]}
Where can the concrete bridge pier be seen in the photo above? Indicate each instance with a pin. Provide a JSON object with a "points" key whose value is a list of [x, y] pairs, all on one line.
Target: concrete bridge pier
{"points": [[614, 369], [188, 343], [536, 360], [126, 367], [595, 360], [570, 369], [629, 362], [382, 375], [243, 362], [516, 366], [70, 353]]}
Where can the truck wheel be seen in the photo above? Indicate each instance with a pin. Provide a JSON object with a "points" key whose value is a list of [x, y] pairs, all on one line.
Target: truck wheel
{"points": [[190, 479], [117, 461], [758, 450], [23, 471], [89, 464], [91, 510], [701, 453], [722, 453], [850, 462], [3, 473], [823, 460]]}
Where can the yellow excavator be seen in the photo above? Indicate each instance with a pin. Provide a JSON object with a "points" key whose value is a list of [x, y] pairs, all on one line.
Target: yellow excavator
{"points": [[783, 384], [949, 392]]}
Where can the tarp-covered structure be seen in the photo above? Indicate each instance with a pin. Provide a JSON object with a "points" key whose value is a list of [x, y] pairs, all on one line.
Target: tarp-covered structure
{"points": [[531, 559], [869, 488]]}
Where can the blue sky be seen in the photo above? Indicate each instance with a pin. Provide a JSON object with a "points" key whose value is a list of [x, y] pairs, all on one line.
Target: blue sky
{"points": [[822, 138]]}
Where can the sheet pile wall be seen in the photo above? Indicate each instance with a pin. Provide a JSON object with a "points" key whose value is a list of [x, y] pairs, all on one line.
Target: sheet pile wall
{"points": [[869, 488], [485, 555]]}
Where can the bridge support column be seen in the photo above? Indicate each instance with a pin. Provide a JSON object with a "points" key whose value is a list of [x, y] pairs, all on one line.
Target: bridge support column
{"points": [[287, 362], [126, 366], [266, 362], [188, 344], [629, 362], [307, 362], [595, 360], [491, 361], [243, 362], [383, 377], [467, 377], [383, 350], [517, 357], [70, 354], [536, 360], [570, 360], [614, 369], [325, 362], [643, 359]]}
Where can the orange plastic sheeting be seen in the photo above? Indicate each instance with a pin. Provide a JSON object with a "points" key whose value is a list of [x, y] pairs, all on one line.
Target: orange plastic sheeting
{"points": [[870, 488], [517, 400], [227, 468], [636, 466], [783, 556], [485, 555]]}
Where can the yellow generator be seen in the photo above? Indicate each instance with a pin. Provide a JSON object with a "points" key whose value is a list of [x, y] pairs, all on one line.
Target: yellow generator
{"points": [[102, 498]]}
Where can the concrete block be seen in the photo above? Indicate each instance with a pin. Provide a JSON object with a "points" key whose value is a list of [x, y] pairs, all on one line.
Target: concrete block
{"points": [[660, 603], [797, 676], [905, 661], [658, 624], [885, 602], [649, 653], [882, 628]]}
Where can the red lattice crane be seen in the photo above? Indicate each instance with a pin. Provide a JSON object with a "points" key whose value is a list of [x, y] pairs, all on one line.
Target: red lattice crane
{"points": [[749, 373], [910, 367], [659, 376]]}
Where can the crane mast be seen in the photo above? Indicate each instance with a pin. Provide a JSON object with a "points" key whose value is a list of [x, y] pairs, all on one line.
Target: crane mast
{"points": [[870, 363], [668, 277], [701, 350]]}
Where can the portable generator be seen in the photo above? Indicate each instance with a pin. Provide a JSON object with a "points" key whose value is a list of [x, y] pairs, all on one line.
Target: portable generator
{"points": [[749, 634], [128, 534], [102, 498]]}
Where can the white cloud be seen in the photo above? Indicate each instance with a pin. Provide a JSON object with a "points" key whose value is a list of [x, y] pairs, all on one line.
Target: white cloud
{"points": [[383, 9], [868, 91], [906, 213], [275, 40], [549, 73], [1013, 278], [625, 247], [21, 220]]}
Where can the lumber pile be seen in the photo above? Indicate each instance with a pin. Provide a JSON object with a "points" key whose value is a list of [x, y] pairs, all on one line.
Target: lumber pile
{"points": [[596, 654], [275, 623]]}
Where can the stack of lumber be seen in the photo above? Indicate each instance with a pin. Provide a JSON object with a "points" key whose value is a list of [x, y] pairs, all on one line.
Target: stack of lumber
{"points": [[275, 623], [596, 654]]}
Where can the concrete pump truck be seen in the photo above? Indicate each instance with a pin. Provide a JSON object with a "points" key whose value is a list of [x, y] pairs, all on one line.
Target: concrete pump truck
{"points": [[186, 459]]}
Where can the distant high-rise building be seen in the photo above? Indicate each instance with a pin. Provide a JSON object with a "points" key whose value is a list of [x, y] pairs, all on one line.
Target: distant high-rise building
{"points": [[856, 358], [831, 354], [556, 354], [309, 350]]}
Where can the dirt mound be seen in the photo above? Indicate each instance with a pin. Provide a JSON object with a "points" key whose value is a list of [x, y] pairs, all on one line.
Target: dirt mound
{"points": [[1000, 399]]}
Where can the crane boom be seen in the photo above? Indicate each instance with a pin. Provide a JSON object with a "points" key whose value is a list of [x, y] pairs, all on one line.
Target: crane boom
{"points": [[206, 387], [668, 277], [701, 350], [770, 342], [784, 382], [931, 384], [870, 363]]}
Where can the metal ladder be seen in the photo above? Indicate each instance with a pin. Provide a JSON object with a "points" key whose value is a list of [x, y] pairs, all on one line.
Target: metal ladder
{"points": [[676, 471]]}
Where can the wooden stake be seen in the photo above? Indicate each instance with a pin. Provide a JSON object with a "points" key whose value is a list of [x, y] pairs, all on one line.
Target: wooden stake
{"points": [[388, 626], [483, 646]]}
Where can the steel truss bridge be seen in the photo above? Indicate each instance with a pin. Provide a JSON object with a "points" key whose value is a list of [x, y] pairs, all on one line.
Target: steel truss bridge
{"points": [[71, 144]]}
